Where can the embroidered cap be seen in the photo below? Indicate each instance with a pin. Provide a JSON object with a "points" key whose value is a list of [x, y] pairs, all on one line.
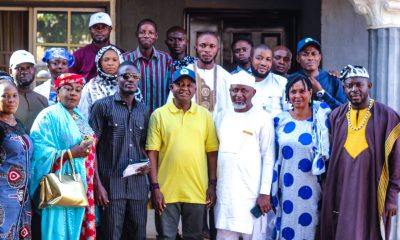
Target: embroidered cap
{"points": [[353, 71], [100, 17], [183, 72], [243, 78], [307, 42]]}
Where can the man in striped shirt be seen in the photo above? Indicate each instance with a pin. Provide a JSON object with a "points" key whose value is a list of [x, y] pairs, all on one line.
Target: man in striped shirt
{"points": [[120, 123], [155, 66]]}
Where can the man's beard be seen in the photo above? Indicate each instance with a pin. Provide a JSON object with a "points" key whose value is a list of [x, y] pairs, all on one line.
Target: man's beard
{"points": [[99, 41], [239, 106], [257, 74], [25, 83]]}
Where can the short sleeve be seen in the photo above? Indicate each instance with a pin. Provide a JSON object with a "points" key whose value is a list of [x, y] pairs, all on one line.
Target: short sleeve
{"points": [[153, 142]]}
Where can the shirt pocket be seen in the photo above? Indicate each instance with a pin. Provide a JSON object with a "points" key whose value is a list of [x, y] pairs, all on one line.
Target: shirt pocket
{"points": [[233, 141], [139, 128], [117, 127]]}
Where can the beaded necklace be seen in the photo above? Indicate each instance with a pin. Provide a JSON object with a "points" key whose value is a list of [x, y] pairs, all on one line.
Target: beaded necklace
{"points": [[364, 121]]}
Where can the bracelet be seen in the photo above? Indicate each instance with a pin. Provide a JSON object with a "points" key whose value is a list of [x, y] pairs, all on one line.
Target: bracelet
{"points": [[212, 182], [69, 154], [154, 186]]}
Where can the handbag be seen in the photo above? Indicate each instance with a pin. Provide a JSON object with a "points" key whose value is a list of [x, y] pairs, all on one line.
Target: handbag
{"points": [[62, 190]]}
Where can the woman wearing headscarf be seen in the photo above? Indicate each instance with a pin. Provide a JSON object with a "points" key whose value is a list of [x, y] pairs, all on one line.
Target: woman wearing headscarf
{"points": [[57, 129], [15, 156], [105, 83], [302, 139], [58, 61]]}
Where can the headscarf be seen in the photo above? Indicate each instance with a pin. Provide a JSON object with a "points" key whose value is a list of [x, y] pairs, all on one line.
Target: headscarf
{"points": [[353, 71], [52, 53], [107, 80], [109, 83], [68, 78]]}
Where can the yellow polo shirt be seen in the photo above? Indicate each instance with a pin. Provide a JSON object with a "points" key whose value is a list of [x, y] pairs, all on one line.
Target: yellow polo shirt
{"points": [[182, 140]]}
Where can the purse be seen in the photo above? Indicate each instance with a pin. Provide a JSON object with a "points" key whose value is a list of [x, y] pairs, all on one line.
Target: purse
{"points": [[62, 190]]}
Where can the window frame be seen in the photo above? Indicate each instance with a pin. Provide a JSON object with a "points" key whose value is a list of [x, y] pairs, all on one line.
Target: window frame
{"points": [[69, 11]]}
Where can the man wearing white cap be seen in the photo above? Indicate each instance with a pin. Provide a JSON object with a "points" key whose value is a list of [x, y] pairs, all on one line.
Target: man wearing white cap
{"points": [[245, 163], [100, 27], [22, 68]]}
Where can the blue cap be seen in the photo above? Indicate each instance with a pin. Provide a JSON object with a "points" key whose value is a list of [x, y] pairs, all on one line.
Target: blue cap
{"points": [[306, 42], [58, 53], [183, 72]]}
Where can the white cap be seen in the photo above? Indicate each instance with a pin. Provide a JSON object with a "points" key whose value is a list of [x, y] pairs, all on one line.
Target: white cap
{"points": [[21, 56], [243, 78], [100, 17]]}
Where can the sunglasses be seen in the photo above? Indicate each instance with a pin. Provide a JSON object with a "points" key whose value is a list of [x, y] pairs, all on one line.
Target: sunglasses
{"points": [[127, 76]]}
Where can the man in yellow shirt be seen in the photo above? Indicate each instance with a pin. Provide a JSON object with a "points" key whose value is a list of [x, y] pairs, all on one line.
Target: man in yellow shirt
{"points": [[182, 147]]}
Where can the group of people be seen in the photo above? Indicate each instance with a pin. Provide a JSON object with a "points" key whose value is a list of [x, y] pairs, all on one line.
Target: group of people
{"points": [[265, 154]]}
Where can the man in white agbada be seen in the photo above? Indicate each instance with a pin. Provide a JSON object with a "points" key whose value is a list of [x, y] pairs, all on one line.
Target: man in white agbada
{"points": [[245, 163], [270, 86]]}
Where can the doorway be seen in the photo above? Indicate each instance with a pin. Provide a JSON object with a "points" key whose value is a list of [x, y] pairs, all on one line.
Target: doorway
{"points": [[261, 26]]}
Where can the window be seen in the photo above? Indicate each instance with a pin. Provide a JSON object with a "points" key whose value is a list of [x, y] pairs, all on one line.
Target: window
{"points": [[67, 28]]}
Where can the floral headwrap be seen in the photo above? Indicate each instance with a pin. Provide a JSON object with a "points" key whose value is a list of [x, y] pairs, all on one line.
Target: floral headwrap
{"points": [[52, 53], [68, 78]]}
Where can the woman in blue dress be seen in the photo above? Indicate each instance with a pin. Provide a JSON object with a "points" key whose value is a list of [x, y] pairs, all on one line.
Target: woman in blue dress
{"points": [[302, 139], [15, 156], [59, 129]]}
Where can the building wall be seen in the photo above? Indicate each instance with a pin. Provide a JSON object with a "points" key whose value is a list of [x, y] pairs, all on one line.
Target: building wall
{"points": [[171, 12], [344, 35]]}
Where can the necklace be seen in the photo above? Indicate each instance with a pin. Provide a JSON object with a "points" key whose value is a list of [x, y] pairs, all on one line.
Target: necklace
{"points": [[364, 121], [74, 116]]}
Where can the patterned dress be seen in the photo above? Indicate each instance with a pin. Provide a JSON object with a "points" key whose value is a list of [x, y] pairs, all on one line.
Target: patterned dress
{"points": [[296, 191], [15, 155]]}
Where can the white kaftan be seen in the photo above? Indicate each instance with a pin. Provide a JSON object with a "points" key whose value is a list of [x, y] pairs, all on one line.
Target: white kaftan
{"points": [[245, 164]]}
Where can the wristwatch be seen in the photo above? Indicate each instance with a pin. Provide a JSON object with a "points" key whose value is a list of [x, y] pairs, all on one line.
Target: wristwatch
{"points": [[320, 94]]}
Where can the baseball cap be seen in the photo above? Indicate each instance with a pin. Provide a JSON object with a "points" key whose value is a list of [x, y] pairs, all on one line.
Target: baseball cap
{"points": [[21, 56], [306, 42], [183, 72], [100, 17]]}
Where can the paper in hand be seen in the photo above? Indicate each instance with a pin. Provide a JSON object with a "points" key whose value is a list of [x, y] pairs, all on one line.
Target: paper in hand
{"points": [[131, 169]]}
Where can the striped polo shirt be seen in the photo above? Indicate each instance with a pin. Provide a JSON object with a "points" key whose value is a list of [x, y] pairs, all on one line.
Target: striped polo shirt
{"points": [[156, 76]]}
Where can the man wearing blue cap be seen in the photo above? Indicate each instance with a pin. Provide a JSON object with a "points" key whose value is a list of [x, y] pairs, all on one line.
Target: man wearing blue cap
{"points": [[182, 146], [327, 88], [58, 60], [22, 68]]}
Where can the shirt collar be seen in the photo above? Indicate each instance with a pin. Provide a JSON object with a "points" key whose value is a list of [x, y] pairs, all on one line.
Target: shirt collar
{"points": [[156, 54], [117, 98], [173, 109]]}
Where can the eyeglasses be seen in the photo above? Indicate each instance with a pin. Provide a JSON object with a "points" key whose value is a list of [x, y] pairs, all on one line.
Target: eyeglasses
{"points": [[127, 76]]}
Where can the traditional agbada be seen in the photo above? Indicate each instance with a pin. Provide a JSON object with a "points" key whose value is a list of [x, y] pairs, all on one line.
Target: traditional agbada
{"points": [[363, 178]]}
